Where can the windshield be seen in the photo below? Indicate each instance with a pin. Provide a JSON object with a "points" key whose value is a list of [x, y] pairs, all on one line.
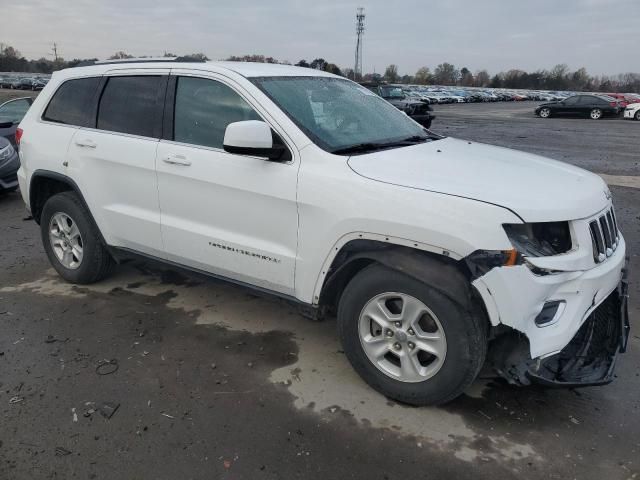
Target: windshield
{"points": [[337, 114]]}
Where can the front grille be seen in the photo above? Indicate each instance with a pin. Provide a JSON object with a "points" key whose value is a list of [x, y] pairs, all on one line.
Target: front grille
{"points": [[604, 235]]}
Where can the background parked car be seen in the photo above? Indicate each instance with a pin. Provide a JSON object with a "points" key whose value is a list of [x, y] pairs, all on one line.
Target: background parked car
{"points": [[632, 112], [39, 83], [594, 106], [9, 165], [418, 110], [12, 83], [11, 113], [25, 84]]}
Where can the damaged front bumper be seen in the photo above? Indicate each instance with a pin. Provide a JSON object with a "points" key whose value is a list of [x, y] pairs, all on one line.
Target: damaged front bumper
{"points": [[590, 357], [566, 329]]}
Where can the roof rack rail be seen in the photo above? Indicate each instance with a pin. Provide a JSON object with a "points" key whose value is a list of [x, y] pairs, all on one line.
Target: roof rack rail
{"points": [[142, 60]]}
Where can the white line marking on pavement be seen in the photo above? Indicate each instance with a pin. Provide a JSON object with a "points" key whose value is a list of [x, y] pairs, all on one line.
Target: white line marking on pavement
{"points": [[621, 180]]}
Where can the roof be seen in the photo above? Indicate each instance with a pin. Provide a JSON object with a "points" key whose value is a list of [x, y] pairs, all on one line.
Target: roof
{"points": [[246, 69], [253, 69]]}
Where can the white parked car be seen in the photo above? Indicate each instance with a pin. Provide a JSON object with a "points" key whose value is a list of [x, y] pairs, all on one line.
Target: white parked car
{"points": [[431, 251], [632, 111]]}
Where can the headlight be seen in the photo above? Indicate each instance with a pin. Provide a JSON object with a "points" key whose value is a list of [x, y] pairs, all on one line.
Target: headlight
{"points": [[6, 153], [539, 239]]}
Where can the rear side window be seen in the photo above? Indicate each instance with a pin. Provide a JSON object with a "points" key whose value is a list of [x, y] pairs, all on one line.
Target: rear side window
{"points": [[72, 104], [204, 108], [130, 105]]}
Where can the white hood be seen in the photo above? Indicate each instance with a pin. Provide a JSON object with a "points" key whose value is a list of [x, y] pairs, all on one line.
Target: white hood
{"points": [[535, 188]]}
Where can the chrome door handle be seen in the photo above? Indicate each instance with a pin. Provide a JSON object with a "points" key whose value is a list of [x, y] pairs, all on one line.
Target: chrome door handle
{"points": [[176, 160], [86, 143]]}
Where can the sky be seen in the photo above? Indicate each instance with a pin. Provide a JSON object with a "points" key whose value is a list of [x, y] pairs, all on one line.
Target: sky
{"points": [[601, 35]]}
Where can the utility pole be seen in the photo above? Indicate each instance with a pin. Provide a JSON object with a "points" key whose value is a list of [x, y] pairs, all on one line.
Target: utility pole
{"points": [[357, 71], [55, 51]]}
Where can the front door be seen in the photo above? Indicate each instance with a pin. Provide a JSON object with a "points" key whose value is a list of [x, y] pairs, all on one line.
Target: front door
{"points": [[231, 215]]}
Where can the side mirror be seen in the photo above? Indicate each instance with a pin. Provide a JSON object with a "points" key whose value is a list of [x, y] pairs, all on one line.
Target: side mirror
{"points": [[254, 138]]}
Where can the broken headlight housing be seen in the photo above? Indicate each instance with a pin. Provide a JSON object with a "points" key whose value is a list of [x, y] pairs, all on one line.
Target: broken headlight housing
{"points": [[541, 239]]}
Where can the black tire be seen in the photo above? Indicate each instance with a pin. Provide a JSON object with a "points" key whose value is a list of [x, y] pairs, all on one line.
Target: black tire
{"points": [[595, 114], [637, 116], [464, 326], [96, 261], [544, 112]]}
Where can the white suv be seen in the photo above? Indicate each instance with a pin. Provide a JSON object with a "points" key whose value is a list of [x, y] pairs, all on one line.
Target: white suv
{"points": [[437, 255]]}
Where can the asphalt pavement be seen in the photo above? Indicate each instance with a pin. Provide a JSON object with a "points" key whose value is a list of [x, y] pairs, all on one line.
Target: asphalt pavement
{"points": [[161, 374]]}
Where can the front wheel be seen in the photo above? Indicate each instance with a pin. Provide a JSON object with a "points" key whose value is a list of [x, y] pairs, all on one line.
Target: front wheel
{"points": [[72, 241], [637, 116], [545, 112], [408, 340], [595, 114]]}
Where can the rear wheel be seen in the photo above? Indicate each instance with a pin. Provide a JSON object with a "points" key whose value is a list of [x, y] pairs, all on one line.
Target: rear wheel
{"points": [[408, 340], [72, 241], [637, 115], [545, 112], [595, 114]]}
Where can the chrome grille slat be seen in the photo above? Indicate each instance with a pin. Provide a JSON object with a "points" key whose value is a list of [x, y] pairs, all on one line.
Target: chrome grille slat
{"points": [[604, 235]]}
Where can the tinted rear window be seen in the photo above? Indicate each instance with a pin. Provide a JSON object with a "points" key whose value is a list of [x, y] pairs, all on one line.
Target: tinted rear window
{"points": [[130, 105], [72, 104]]}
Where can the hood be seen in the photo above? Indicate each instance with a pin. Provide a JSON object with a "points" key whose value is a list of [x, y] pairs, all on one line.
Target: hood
{"points": [[535, 188]]}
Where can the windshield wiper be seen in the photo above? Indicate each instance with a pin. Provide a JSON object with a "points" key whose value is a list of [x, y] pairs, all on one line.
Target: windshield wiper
{"points": [[360, 148], [370, 146]]}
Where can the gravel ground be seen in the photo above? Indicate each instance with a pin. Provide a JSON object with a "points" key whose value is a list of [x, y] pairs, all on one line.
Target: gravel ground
{"points": [[211, 381]]}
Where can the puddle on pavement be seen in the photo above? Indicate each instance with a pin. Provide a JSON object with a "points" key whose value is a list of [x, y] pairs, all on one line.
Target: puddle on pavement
{"points": [[321, 380]]}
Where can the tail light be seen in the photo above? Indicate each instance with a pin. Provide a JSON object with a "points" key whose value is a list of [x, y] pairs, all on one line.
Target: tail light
{"points": [[18, 136]]}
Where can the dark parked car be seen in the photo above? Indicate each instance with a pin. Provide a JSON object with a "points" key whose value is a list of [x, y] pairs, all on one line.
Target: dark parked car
{"points": [[418, 110], [25, 84], [10, 82], [11, 113], [9, 164], [593, 106], [39, 83]]}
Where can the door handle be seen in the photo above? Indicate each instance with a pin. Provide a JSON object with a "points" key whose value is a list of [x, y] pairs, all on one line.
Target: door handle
{"points": [[176, 160], [87, 143]]}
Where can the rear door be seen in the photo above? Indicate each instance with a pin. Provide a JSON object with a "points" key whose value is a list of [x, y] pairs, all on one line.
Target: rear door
{"points": [[114, 159], [231, 215]]}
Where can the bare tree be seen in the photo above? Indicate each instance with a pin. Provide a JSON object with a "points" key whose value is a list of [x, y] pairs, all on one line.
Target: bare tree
{"points": [[446, 74], [481, 79], [391, 73], [423, 76], [120, 55]]}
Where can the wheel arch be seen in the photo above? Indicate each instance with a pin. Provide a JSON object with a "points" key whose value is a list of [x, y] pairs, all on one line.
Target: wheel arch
{"points": [[44, 184], [449, 275]]}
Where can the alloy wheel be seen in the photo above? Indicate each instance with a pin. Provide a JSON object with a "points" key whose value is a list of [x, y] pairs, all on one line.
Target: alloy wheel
{"points": [[402, 337], [66, 240], [596, 113], [545, 113]]}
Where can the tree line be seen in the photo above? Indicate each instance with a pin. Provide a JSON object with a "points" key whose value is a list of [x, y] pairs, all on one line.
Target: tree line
{"points": [[559, 77]]}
